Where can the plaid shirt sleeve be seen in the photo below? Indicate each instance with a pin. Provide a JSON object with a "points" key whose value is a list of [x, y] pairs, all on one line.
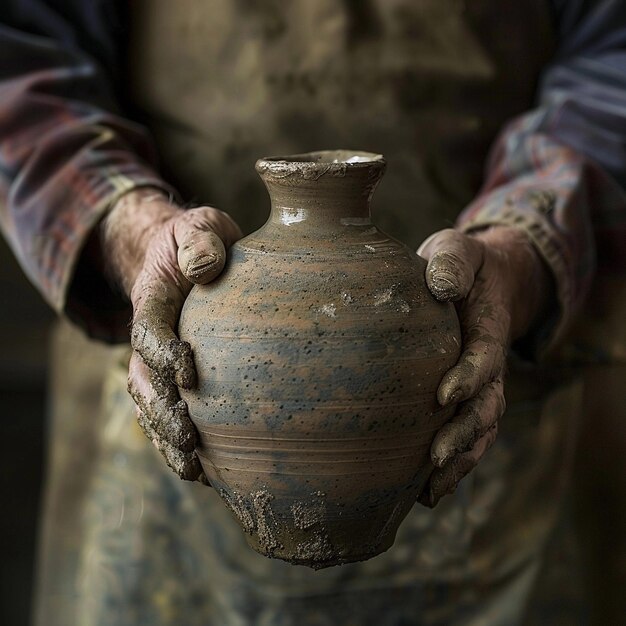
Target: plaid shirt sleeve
{"points": [[559, 171], [65, 158]]}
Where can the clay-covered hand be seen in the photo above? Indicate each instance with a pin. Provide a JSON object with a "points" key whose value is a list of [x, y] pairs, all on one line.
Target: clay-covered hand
{"points": [[157, 251], [500, 285]]}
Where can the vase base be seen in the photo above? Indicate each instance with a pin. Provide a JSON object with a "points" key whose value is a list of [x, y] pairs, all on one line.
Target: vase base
{"points": [[325, 557]]}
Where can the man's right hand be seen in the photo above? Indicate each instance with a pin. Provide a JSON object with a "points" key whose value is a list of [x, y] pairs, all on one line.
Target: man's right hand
{"points": [[157, 252]]}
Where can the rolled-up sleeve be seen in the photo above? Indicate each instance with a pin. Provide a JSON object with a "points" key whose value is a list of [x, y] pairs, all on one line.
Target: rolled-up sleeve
{"points": [[559, 171], [65, 157]]}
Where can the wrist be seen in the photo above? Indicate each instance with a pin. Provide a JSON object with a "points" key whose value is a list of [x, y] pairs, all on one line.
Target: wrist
{"points": [[525, 278], [126, 231]]}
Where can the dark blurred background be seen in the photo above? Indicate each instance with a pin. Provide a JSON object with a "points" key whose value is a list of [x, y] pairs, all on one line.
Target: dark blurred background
{"points": [[24, 328]]}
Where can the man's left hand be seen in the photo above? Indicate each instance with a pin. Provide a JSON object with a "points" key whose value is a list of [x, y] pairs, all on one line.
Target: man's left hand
{"points": [[500, 285]]}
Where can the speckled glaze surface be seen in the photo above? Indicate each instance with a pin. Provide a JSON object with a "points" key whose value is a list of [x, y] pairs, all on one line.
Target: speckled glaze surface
{"points": [[319, 351]]}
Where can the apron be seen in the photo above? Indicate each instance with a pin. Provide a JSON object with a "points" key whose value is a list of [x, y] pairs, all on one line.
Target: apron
{"points": [[428, 84], [126, 542]]}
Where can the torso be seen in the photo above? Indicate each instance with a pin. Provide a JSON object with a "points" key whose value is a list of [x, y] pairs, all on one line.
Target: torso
{"points": [[428, 84]]}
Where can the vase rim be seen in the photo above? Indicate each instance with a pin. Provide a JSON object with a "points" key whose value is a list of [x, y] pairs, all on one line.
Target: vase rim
{"points": [[320, 162]]}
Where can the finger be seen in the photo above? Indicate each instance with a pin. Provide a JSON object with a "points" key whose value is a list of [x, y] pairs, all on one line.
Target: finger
{"points": [[185, 464], [454, 259], [485, 325], [445, 480], [157, 304], [481, 362], [473, 419], [159, 402], [201, 235]]}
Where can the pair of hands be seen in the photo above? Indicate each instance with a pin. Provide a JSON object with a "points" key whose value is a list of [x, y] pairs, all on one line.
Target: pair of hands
{"points": [[160, 251]]}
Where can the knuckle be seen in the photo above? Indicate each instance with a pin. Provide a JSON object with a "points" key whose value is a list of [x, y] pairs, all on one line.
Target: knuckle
{"points": [[465, 464], [474, 426], [202, 219]]}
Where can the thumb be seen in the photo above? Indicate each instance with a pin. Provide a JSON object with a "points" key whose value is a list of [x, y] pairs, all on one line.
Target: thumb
{"points": [[201, 252], [454, 259]]}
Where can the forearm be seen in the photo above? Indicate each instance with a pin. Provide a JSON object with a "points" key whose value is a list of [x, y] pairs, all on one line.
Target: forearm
{"points": [[66, 158], [557, 172], [542, 189], [127, 229]]}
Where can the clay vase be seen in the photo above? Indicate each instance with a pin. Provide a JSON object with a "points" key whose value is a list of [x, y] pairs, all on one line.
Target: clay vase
{"points": [[319, 351]]}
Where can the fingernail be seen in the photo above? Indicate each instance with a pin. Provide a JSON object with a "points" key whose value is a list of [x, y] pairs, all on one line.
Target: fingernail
{"points": [[442, 459], [434, 500], [443, 285], [451, 397], [202, 264], [185, 378]]}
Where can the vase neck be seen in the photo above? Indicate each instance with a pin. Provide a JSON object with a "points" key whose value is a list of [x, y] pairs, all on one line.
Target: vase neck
{"points": [[323, 189]]}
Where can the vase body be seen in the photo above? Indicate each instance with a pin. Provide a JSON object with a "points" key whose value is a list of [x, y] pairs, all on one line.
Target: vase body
{"points": [[319, 351]]}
